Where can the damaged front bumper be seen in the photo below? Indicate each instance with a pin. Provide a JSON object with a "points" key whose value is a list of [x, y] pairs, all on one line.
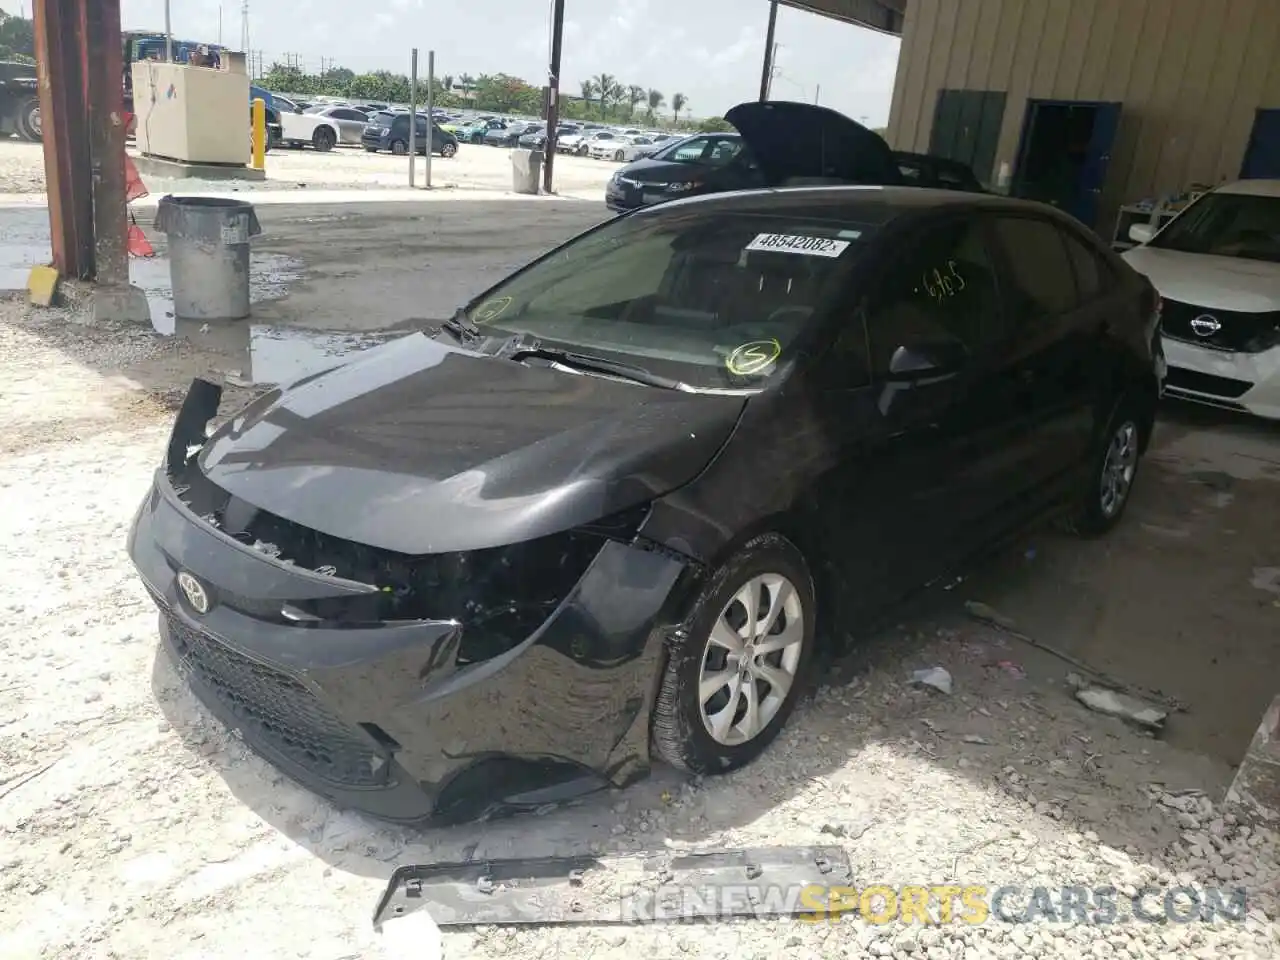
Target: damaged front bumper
{"points": [[387, 717]]}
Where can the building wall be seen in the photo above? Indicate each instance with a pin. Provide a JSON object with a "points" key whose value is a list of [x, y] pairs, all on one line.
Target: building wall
{"points": [[1190, 74]]}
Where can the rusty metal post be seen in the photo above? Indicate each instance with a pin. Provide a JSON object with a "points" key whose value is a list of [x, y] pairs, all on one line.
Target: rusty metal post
{"points": [[60, 59], [107, 136]]}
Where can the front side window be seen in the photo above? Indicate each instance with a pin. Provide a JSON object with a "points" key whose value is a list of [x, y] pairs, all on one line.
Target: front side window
{"points": [[1227, 225], [713, 300], [1041, 279], [687, 151], [941, 291]]}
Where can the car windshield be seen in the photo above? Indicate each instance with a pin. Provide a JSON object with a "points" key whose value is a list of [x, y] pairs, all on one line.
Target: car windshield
{"points": [[714, 301], [382, 118], [1227, 225]]}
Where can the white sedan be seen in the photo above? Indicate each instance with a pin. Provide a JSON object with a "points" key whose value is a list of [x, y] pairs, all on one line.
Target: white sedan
{"points": [[1217, 268], [622, 149]]}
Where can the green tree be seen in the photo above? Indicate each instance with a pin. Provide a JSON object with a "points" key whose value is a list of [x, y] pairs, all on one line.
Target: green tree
{"points": [[678, 102], [715, 125], [17, 38], [635, 96], [656, 100], [607, 90], [590, 90]]}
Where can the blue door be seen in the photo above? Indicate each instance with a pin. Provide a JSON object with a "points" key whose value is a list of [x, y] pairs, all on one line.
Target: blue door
{"points": [[1262, 158], [1093, 174]]}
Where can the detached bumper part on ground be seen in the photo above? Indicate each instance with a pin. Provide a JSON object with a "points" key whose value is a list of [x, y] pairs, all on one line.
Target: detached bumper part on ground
{"points": [[408, 719]]}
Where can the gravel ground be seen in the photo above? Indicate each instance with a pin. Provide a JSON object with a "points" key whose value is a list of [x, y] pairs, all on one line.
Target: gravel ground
{"points": [[475, 167], [133, 826]]}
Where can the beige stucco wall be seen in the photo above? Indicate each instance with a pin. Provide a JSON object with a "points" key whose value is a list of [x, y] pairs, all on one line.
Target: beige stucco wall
{"points": [[1190, 74]]}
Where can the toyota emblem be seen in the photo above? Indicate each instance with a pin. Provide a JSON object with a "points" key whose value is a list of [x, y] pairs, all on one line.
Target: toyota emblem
{"points": [[1205, 325], [194, 592]]}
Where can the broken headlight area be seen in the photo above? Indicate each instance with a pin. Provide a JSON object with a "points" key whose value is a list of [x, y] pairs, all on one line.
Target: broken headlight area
{"points": [[499, 595]]}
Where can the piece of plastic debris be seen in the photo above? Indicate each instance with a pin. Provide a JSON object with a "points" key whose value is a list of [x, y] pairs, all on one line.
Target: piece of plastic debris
{"points": [[666, 796], [575, 878], [412, 935], [204, 328], [1121, 705], [754, 871], [484, 885], [974, 738], [42, 284], [1012, 669], [935, 677], [1076, 682], [235, 381]]}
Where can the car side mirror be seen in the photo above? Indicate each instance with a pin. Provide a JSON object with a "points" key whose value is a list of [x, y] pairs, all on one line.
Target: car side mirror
{"points": [[1142, 232], [927, 360]]}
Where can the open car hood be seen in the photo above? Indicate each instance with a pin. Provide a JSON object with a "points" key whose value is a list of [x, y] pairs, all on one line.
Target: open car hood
{"points": [[794, 141]]}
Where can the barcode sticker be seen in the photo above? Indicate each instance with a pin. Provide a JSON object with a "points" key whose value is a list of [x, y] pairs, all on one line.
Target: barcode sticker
{"points": [[806, 246]]}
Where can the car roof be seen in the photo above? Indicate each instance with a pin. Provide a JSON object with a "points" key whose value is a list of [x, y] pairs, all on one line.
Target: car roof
{"points": [[863, 203], [1253, 188]]}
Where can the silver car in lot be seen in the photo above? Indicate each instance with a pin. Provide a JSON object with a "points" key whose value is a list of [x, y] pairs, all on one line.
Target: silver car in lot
{"points": [[349, 121]]}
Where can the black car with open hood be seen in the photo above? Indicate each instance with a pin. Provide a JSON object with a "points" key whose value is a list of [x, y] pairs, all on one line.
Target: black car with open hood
{"points": [[777, 143], [622, 502]]}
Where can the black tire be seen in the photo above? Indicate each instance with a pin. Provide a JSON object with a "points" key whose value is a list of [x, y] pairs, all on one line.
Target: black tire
{"points": [[370, 149], [582, 150], [477, 139], [29, 126], [449, 150], [399, 148], [680, 735], [619, 156], [1096, 511], [323, 139]]}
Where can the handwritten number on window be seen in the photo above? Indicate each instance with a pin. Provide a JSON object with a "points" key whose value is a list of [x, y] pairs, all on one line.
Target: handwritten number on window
{"points": [[939, 285]]}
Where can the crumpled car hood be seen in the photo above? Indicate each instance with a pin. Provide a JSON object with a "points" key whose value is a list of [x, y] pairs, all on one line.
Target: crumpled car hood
{"points": [[419, 447]]}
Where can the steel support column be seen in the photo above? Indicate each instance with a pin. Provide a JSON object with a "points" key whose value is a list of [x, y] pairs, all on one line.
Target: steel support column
{"points": [[766, 74], [61, 64], [553, 93], [107, 137]]}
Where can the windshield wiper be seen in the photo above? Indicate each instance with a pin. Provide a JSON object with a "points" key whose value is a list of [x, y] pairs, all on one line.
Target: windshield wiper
{"points": [[461, 327], [603, 365]]}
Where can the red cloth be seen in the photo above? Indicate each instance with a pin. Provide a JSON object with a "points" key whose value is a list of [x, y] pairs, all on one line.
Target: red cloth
{"points": [[138, 244]]}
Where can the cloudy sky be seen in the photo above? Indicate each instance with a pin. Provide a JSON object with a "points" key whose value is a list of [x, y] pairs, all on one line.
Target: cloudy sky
{"points": [[710, 50]]}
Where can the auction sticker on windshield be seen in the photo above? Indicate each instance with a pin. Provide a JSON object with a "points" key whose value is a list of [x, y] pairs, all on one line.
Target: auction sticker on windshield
{"points": [[752, 358], [808, 246], [491, 309]]}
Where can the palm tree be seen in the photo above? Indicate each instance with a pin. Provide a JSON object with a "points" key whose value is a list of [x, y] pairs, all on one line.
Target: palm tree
{"points": [[447, 82], [635, 97], [678, 102], [589, 91], [656, 100], [607, 86]]}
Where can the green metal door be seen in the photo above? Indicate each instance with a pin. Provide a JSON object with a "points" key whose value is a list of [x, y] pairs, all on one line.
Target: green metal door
{"points": [[966, 128]]}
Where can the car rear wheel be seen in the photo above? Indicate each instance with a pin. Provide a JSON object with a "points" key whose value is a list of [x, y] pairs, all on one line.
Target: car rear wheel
{"points": [[731, 682], [448, 150], [582, 151], [399, 148], [323, 139], [1113, 468], [29, 124]]}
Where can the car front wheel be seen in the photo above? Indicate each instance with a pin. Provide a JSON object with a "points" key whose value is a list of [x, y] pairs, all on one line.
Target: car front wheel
{"points": [[448, 150], [739, 667], [400, 148], [1113, 468], [323, 139]]}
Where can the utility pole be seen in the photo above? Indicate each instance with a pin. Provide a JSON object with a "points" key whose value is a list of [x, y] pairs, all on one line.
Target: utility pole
{"points": [[431, 117], [817, 90], [413, 116], [168, 35], [219, 24], [553, 92], [244, 26], [770, 51]]}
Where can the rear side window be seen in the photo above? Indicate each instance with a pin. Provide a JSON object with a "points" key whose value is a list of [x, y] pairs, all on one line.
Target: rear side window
{"points": [[942, 288], [1042, 280], [1092, 275]]}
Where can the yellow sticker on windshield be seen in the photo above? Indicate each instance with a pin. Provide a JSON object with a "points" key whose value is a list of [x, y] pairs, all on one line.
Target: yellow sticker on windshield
{"points": [[491, 309], [753, 357]]}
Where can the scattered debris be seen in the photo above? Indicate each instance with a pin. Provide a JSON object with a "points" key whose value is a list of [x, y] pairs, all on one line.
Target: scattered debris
{"points": [[992, 617], [936, 677], [1012, 669], [25, 778], [1266, 578], [975, 739], [1121, 705]]}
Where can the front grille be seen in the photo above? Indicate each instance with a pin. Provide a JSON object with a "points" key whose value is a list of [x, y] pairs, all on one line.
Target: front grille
{"points": [[279, 710], [1183, 379], [1239, 332]]}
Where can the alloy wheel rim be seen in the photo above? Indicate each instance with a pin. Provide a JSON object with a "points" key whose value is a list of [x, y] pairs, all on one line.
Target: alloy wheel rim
{"points": [[750, 659], [34, 121], [1118, 468]]}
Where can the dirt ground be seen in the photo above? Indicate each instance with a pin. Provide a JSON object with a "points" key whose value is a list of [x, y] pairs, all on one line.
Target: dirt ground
{"points": [[474, 167], [134, 826]]}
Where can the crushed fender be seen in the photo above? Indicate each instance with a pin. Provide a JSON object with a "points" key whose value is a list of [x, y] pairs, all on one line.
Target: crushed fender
{"points": [[762, 882]]}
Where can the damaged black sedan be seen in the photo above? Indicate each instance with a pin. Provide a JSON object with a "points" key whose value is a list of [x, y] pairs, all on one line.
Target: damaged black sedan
{"points": [[624, 500]]}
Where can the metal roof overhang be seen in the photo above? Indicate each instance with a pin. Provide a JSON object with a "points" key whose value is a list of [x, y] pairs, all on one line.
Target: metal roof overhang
{"points": [[884, 16]]}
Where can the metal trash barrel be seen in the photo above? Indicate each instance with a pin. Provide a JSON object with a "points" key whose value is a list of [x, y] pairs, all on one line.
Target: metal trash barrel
{"points": [[208, 255], [526, 170]]}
